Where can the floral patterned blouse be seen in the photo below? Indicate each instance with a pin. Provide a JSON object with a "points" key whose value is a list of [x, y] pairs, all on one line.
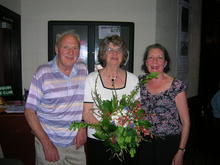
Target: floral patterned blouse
{"points": [[161, 109]]}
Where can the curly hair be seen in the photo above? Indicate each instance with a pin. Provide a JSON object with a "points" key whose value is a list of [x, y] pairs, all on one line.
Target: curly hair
{"points": [[116, 41]]}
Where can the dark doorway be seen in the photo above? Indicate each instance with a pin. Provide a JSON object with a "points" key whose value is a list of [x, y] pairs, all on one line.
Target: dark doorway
{"points": [[210, 50], [10, 53], [203, 134]]}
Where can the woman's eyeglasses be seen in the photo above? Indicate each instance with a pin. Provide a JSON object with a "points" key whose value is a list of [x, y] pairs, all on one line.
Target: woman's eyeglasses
{"points": [[111, 50]]}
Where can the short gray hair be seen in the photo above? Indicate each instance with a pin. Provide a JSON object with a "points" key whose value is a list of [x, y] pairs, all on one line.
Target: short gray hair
{"points": [[59, 36]]}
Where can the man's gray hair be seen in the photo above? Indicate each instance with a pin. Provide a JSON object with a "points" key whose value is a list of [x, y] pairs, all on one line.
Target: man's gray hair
{"points": [[59, 36]]}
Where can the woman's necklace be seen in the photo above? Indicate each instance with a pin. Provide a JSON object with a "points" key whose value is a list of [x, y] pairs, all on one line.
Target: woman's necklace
{"points": [[113, 81], [112, 77]]}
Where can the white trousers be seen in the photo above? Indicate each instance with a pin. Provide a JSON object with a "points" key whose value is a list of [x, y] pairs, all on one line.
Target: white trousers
{"points": [[68, 155]]}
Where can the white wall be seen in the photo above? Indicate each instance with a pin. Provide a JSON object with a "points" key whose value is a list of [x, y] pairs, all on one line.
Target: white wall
{"points": [[194, 47], [35, 15], [14, 5], [155, 21], [166, 29], [166, 34]]}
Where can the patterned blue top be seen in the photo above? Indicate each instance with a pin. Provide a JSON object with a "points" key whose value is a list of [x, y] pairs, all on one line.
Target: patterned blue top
{"points": [[215, 102], [161, 109], [58, 100]]}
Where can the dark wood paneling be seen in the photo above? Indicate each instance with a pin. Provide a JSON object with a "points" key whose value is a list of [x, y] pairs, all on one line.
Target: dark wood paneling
{"points": [[16, 138]]}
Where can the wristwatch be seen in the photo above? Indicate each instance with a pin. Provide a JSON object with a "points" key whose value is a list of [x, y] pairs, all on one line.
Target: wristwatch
{"points": [[182, 149]]}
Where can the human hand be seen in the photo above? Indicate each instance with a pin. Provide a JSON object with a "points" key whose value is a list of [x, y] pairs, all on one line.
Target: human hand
{"points": [[81, 137], [178, 158], [50, 152]]}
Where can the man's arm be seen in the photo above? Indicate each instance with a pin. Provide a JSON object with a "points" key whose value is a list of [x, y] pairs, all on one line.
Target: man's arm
{"points": [[50, 151]]}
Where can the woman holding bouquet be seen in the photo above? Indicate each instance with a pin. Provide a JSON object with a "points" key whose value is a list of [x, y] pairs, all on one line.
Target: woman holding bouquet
{"points": [[164, 100], [111, 78]]}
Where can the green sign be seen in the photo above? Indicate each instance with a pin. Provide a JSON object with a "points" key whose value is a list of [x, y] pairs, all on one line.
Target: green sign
{"points": [[6, 91]]}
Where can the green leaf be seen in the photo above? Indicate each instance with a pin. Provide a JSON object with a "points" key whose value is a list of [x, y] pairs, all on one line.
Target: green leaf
{"points": [[140, 113], [100, 135], [144, 123], [106, 106], [128, 139], [132, 152], [123, 101], [77, 125], [149, 77]]}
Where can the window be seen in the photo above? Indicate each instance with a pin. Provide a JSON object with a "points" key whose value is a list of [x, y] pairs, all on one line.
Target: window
{"points": [[91, 33]]}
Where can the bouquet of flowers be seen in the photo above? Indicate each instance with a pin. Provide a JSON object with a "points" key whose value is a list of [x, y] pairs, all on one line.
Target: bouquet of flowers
{"points": [[123, 124]]}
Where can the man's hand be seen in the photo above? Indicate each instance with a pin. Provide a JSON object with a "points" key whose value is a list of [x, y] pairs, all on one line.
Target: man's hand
{"points": [[50, 152], [81, 137]]}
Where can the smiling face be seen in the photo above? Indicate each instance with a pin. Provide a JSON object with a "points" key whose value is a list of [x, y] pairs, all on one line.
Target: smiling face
{"points": [[114, 55], [155, 61], [68, 52]]}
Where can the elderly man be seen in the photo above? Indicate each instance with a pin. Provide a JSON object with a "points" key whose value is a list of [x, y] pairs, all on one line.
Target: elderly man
{"points": [[55, 100]]}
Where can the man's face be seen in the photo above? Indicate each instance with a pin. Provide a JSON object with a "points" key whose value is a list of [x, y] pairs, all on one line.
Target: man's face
{"points": [[68, 52]]}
